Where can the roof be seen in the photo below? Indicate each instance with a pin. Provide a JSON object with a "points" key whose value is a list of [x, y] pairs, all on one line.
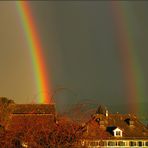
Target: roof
{"points": [[34, 115], [101, 127], [34, 109], [23, 121]]}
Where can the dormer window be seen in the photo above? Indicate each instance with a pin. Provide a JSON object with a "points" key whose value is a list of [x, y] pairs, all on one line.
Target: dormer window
{"points": [[117, 132], [129, 122]]}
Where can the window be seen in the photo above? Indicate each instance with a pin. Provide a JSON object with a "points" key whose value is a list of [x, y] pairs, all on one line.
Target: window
{"points": [[101, 143], [139, 143], [121, 143], [111, 143], [118, 133], [146, 143], [132, 143]]}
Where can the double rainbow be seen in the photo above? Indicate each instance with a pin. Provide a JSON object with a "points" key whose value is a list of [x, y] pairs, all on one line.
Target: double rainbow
{"points": [[134, 78], [36, 52]]}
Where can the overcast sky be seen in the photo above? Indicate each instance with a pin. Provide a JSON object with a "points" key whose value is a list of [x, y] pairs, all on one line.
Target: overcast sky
{"points": [[80, 45]]}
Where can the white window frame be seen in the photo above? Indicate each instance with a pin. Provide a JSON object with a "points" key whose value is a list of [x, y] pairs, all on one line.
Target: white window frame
{"points": [[117, 130]]}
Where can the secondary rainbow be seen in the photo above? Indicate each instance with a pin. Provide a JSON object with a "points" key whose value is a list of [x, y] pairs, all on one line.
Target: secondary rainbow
{"points": [[134, 78], [34, 47]]}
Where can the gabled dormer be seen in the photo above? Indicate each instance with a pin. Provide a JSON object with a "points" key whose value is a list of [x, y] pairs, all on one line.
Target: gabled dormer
{"points": [[130, 122], [117, 132]]}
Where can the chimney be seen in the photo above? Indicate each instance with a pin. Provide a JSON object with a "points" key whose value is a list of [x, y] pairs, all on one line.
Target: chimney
{"points": [[106, 113]]}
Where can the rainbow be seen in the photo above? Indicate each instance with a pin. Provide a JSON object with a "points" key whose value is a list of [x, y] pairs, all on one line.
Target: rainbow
{"points": [[35, 48], [134, 78]]}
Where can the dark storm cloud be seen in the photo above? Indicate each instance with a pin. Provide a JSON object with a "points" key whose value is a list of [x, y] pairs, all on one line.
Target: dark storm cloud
{"points": [[85, 48]]}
